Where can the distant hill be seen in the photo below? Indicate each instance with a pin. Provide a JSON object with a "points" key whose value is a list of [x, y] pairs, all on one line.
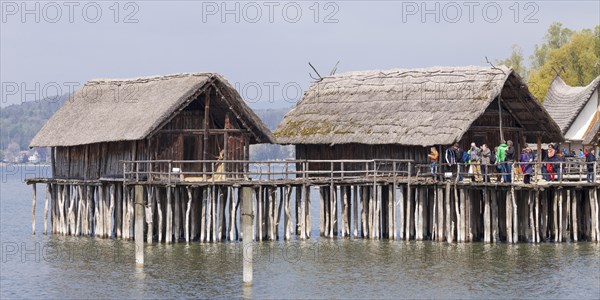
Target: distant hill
{"points": [[19, 123]]}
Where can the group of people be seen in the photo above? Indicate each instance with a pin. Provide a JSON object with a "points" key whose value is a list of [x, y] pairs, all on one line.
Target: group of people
{"points": [[479, 162]]}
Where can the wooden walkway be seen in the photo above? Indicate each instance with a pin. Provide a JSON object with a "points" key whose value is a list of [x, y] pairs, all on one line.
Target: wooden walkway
{"points": [[373, 199]]}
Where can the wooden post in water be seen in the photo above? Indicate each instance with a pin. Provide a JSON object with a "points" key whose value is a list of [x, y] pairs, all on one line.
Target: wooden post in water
{"points": [[515, 215], [48, 193], [447, 213], [495, 234], [33, 204], [139, 225], [247, 217], [487, 224], [509, 235]]}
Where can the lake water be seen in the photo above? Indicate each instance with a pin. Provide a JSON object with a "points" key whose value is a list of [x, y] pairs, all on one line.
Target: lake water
{"points": [[68, 267]]}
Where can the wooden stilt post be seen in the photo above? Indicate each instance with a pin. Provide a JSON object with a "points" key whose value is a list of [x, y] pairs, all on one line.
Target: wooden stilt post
{"points": [[247, 217], [408, 212], [447, 213], [307, 226], [355, 211], [537, 216], [597, 216], [555, 219], [303, 201], [487, 224], [515, 215], [561, 224], [401, 213], [287, 220], [33, 204], [48, 193], [344, 196], [160, 213], [509, 216], [203, 224], [169, 231], [232, 214], [495, 233], [279, 210], [139, 224], [187, 214]]}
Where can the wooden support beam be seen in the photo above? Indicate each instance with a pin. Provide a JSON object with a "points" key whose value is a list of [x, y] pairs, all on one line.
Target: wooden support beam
{"points": [[139, 225], [247, 217]]}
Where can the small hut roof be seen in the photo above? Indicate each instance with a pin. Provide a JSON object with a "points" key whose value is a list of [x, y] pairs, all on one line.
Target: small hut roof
{"points": [[564, 102], [110, 110], [419, 107]]}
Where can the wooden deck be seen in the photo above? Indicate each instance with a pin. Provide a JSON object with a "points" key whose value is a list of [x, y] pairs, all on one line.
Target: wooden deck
{"points": [[375, 199]]}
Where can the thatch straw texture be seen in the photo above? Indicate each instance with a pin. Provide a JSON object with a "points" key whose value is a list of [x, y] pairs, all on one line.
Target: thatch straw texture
{"points": [[418, 107], [106, 110], [564, 102]]}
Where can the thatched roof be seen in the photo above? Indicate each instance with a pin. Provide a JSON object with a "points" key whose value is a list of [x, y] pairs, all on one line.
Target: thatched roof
{"points": [[419, 107], [564, 102], [108, 110]]}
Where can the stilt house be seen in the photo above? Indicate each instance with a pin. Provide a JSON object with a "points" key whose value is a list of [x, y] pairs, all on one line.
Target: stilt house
{"points": [[175, 117], [397, 114]]}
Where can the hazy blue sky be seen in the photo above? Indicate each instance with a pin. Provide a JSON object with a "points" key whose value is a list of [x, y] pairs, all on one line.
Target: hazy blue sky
{"points": [[267, 49]]}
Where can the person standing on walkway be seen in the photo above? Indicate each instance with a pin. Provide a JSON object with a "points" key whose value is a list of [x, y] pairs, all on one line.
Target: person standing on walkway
{"points": [[526, 157], [590, 158], [486, 155], [475, 161], [510, 158], [433, 157], [500, 160], [450, 159]]}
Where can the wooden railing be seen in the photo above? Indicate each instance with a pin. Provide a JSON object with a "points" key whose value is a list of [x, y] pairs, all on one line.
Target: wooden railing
{"points": [[170, 171], [569, 171]]}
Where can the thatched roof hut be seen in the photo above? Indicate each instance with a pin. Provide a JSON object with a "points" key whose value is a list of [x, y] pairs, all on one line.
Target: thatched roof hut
{"points": [[172, 117], [409, 106], [416, 108], [575, 110], [112, 110]]}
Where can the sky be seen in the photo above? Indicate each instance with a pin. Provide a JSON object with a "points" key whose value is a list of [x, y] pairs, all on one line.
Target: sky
{"points": [[262, 48]]}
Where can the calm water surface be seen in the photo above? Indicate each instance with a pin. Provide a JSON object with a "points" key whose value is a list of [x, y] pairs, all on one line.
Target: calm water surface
{"points": [[66, 267]]}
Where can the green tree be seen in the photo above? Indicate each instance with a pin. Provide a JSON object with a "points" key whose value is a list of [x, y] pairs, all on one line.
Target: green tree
{"points": [[516, 61], [577, 61], [556, 37]]}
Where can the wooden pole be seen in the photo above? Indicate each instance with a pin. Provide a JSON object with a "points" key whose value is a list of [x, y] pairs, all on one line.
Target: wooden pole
{"points": [[515, 215], [555, 215], [495, 233], [139, 225], [447, 213], [287, 220], [401, 212], [187, 215], [33, 204], [232, 214], [509, 235], [159, 211], [48, 193], [247, 217], [307, 226], [169, 231], [561, 225], [487, 226]]}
